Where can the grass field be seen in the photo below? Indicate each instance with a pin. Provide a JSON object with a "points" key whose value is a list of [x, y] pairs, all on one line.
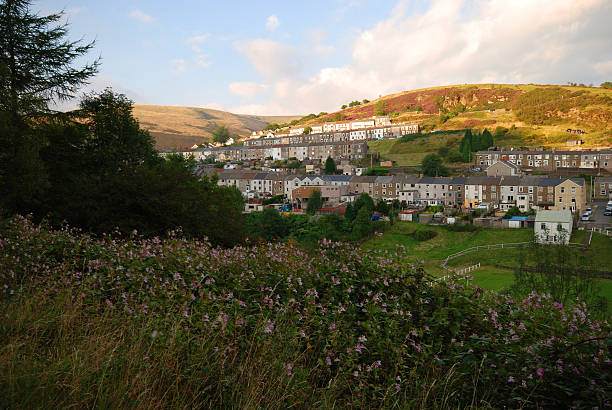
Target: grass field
{"points": [[432, 252]]}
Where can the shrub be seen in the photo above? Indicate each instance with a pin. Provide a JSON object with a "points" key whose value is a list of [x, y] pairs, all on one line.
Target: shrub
{"points": [[422, 235], [461, 227]]}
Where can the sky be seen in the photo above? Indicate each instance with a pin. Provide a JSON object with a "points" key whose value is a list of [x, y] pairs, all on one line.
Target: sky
{"points": [[297, 57]]}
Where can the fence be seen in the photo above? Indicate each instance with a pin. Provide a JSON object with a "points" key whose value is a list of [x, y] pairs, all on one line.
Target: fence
{"points": [[483, 247]]}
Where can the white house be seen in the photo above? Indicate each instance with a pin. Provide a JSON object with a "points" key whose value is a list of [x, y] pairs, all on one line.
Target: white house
{"points": [[553, 226]]}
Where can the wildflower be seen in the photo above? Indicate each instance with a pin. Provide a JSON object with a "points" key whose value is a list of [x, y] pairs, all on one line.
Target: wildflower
{"points": [[510, 379], [540, 372], [269, 328]]}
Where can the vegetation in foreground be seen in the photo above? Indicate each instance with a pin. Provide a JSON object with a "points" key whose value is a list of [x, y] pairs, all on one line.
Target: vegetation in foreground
{"points": [[128, 321]]}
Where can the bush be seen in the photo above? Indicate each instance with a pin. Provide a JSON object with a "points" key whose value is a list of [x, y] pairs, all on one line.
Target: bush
{"points": [[422, 235], [461, 227]]}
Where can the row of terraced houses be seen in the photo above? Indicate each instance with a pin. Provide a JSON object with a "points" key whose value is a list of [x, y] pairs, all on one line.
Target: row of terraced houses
{"points": [[527, 192], [538, 160]]}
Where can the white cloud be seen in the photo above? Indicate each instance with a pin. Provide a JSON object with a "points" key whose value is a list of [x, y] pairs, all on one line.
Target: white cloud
{"points": [[142, 16], [271, 58], [202, 61], [324, 50], [178, 66], [272, 23], [452, 42], [604, 67], [247, 89], [213, 106], [195, 41]]}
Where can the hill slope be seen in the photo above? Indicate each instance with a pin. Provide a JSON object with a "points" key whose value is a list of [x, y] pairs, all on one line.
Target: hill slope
{"points": [[177, 127], [543, 112]]}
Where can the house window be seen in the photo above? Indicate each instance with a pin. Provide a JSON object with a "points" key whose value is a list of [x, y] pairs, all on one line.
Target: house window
{"points": [[543, 226], [492, 188], [573, 190], [561, 200], [562, 190]]}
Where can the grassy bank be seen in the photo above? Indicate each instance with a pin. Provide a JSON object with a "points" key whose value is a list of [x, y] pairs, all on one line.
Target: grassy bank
{"points": [[119, 322]]}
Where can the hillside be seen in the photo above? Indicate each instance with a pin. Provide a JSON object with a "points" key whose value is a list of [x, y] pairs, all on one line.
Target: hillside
{"points": [[177, 127], [540, 113]]}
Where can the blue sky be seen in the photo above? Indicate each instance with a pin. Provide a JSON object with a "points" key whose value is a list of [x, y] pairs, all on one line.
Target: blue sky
{"points": [[290, 57]]}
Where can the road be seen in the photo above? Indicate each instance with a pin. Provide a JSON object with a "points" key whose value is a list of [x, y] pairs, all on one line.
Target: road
{"points": [[598, 219]]}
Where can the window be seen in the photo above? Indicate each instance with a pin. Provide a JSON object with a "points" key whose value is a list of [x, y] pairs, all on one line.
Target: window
{"points": [[543, 226], [573, 190], [562, 190], [561, 200]]}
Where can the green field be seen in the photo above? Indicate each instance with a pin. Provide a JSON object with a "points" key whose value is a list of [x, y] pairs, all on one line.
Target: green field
{"points": [[433, 251]]}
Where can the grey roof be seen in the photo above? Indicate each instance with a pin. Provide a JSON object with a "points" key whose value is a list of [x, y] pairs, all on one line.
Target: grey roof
{"points": [[479, 180], [553, 216], [605, 180], [579, 181], [506, 163], [510, 181], [384, 180]]}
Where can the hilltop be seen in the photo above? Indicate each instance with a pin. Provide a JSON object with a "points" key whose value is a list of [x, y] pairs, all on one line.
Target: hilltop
{"points": [[537, 114], [177, 127]]}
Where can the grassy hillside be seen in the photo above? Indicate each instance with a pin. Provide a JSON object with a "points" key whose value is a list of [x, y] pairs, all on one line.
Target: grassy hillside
{"points": [[542, 112], [177, 127]]}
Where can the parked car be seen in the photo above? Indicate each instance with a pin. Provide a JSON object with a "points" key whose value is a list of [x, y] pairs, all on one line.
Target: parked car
{"points": [[608, 212], [477, 169], [585, 217], [588, 211]]}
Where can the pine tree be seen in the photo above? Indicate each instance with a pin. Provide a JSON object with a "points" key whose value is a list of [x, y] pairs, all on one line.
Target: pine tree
{"points": [[466, 146], [36, 69], [330, 166], [486, 139]]}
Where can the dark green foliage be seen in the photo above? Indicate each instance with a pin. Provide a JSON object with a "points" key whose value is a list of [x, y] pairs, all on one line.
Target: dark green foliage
{"points": [[364, 201], [268, 225], [362, 225], [343, 107], [606, 84], [377, 171], [454, 156], [271, 127], [36, 60], [314, 203], [465, 147], [307, 130], [350, 213], [461, 227], [564, 275], [432, 166], [276, 199], [486, 140], [354, 103], [515, 211], [36, 68], [380, 108], [365, 101], [382, 207], [443, 151], [422, 235], [221, 134], [330, 166]]}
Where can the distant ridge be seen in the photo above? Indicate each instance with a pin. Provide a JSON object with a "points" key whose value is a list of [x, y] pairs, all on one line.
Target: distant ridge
{"points": [[179, 127]]}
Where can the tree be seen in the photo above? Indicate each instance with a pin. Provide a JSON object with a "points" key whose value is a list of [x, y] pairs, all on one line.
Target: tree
{"points": [[221, 134], [476, 142], [343, 106], [443, 151], [36, 68], [465, 146], [380, 108], [365, 101], [314, 203], [362, 225], [607, 84], [307, 130], [330, 166], [36, 60], [486, 139], [115, 140], [432, 166]]}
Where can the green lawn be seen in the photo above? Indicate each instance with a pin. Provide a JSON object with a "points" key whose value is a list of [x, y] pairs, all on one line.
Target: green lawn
{"points": [[432, 252]]}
